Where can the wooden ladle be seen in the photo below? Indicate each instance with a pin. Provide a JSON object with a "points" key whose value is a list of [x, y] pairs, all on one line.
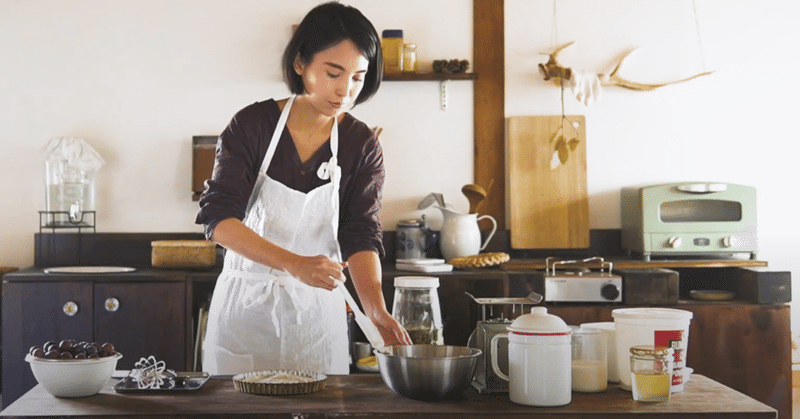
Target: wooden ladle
{"points": [[475, 195]]}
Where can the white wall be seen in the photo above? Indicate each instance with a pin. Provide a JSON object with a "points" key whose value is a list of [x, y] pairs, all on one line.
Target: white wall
{"points": [[137, 79], [732, 126]]}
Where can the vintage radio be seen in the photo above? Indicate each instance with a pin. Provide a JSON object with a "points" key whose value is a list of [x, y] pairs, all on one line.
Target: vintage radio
{"points": [[689, 219]]}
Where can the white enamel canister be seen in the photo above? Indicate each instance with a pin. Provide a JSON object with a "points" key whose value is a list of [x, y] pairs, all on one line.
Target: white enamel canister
{"points": [[539, 359]]}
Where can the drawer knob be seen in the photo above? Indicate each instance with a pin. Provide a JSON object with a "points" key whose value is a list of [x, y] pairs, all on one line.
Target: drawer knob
{"points": [[112, 304], [70, 308]]}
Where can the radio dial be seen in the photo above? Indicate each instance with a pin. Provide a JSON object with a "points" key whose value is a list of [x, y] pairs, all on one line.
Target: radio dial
{"points": [[675, 242], [609, 291]]}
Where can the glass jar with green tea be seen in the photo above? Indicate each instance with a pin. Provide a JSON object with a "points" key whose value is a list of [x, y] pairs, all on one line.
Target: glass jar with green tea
{"points": [[416, 307]]}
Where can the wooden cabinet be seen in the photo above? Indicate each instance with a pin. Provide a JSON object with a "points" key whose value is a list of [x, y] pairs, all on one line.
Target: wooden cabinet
{"points": [[140, 315]]}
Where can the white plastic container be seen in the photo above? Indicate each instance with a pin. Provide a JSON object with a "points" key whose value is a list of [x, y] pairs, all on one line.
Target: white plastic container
{"points": [[539, 359], [652, 326], [611, 347]]}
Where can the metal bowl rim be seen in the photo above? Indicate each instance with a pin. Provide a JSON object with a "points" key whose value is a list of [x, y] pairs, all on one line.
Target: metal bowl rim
{"points": [[474, 353]]}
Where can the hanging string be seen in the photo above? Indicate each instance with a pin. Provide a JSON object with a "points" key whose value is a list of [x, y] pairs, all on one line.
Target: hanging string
{"points": [[554, 29], [699, 41]]}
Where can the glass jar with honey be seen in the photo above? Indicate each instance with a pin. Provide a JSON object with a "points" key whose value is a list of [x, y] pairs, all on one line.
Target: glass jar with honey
{"points": [[392, 48], [651, 373]]}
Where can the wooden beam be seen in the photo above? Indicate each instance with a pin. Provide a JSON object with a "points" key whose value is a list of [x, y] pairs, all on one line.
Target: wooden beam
{"points": [[489, 104]]}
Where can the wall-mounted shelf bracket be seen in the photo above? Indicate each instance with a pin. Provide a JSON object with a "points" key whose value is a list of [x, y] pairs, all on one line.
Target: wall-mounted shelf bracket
{"points": [[443, 94]]}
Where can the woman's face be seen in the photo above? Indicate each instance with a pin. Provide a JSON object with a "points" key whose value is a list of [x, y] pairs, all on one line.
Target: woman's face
{"points": [[334, 77]]}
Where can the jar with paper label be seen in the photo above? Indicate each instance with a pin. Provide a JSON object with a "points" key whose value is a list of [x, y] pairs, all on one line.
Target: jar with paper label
{"points": [[416, 307]]}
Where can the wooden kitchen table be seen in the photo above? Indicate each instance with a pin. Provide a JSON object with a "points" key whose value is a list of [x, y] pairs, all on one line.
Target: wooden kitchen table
{"points": [[365, 396]]}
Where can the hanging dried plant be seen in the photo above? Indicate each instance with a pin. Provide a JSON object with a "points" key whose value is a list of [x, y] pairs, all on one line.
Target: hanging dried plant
{"points": [[562, 142]]}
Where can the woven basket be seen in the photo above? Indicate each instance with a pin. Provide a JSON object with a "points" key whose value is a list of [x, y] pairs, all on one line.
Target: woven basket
{"points": [[183, 254]]}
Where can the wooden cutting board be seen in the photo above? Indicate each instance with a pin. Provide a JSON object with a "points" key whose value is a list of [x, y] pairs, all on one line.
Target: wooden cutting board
{"points": [[548, 203]]}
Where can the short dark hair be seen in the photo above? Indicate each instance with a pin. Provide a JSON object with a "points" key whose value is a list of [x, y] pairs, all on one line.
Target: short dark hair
{"points": [[325, 26]]}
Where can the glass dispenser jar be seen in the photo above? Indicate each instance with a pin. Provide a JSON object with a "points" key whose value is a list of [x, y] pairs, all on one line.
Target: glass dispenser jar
{"points": [[416, 307], [70, 167]]}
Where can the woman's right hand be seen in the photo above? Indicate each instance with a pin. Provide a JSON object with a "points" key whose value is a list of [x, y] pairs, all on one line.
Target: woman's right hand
{"points": [[318, 271]]}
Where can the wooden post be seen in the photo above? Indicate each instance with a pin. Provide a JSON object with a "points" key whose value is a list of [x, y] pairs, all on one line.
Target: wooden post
{"points": [[489, 104]]}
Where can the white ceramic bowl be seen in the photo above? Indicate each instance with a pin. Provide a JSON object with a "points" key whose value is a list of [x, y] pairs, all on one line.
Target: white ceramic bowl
{"points": [[73, 377]]}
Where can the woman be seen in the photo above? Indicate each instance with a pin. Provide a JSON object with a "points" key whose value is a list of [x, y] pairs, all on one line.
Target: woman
{"points": [[294, 179]]}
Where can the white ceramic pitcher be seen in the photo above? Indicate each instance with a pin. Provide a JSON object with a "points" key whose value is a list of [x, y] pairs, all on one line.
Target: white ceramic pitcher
{"points": [[460, 235]]}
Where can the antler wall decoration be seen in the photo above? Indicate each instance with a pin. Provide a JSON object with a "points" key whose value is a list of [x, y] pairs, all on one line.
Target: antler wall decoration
{"points": [[586, 86]]}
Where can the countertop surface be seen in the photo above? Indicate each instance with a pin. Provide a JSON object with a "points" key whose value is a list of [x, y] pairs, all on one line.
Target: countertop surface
{"points": [[365, 396]]}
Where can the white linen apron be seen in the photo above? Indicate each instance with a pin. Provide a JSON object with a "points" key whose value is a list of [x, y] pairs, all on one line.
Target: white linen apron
{"points": [[264, 319]]}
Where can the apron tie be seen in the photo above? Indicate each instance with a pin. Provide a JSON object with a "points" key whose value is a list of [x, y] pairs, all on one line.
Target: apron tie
{"points": [[260, 289]]}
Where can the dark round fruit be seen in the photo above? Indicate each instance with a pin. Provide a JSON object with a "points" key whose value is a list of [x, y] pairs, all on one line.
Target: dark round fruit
{"points": [[66, 344], [33, 349], [107, 348], [81, 355], [91, 350], [65, 355], [48, 346], [38, 353], [92, 356], [52, 354]]}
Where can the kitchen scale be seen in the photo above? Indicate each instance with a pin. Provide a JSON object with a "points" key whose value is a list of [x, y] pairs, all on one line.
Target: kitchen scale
{"points": [[576, 282], [485, 380]]}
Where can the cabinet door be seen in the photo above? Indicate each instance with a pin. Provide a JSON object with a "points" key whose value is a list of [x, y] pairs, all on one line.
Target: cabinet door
{"points": [[34, 313], [142, 319]]}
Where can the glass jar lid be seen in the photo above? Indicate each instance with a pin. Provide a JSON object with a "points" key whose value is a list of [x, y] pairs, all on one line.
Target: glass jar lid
{"points": [[416, 282], [411, 223], [650, 350]]}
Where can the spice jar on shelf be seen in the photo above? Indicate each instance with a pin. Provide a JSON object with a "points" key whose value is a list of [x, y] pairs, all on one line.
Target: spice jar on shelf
{"points": [[409, 58], [392, 46]]}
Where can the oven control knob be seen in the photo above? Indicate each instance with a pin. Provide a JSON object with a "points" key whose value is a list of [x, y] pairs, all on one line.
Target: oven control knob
{"points": [[675, 242], [609, 291], [727, 241]]}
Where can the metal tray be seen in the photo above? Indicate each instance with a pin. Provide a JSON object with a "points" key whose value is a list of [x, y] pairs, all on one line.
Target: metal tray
{"points": [[184, 382]]}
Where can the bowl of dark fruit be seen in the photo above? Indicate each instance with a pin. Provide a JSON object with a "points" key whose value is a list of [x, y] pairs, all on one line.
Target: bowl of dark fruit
{"points": [[70, 369]]}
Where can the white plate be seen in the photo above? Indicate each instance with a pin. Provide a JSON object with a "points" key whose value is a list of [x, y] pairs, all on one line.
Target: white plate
{"points": [[441, 267], [427, 261], [366, 368], [88, 270]]}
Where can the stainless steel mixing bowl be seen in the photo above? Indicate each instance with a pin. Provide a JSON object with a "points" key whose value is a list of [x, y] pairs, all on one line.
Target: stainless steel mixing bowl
{"points": [[427, 372]]}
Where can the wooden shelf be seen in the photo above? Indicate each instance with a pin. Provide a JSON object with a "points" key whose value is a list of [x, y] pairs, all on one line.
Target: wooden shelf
{"points": [[429, 76], [523, 264]]}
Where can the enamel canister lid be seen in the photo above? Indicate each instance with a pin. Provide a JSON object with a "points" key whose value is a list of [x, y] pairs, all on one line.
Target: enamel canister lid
{"points": [[539, 323]]}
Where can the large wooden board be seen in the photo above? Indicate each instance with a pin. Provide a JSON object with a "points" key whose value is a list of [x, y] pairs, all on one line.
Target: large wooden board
{"points": [[548, 207]]}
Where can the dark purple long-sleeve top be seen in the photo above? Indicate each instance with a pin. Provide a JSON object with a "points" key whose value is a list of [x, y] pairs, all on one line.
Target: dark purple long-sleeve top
{"points": [[241, 148]]}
